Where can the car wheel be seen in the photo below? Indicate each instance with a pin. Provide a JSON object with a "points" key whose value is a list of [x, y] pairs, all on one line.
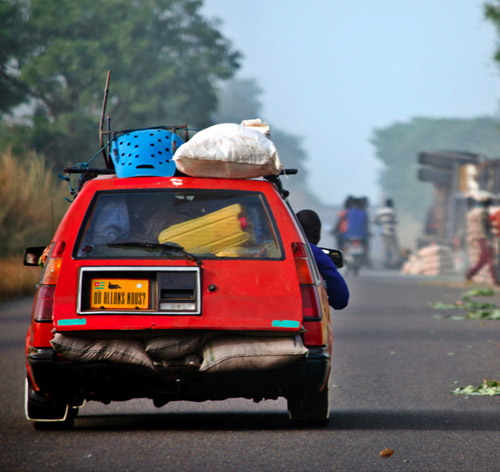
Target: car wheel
{"points": [[310, 409], [47, 413]]}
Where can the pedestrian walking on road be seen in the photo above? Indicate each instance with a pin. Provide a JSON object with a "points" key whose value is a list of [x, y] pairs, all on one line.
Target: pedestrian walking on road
{"points": [[485, 241]]}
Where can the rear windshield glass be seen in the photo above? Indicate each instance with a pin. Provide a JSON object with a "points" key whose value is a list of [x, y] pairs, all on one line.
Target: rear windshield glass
{"points": [[176, 224]]}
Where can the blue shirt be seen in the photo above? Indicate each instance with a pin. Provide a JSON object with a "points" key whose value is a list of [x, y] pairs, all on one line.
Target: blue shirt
{"points": [[357, 224], [336, 288]]}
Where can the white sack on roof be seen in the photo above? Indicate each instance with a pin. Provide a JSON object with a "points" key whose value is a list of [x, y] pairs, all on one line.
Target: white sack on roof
{"points": [[258, 125], [228, 150]]}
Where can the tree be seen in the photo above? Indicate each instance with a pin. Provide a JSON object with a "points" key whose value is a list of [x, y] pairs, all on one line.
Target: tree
{"points": [[492, 13], [164, 56], [14, 46], [397, 147], [238, 100]]}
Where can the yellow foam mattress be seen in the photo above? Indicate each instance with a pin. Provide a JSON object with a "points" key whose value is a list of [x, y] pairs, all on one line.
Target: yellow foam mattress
{"points": [[212, 233]]}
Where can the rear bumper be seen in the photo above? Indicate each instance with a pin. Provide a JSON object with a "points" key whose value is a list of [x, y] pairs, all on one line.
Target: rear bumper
{"points": [[74, 382]]}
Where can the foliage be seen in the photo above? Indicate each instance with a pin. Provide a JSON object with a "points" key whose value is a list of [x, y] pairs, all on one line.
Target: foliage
{"points": [[238, 100], [17, 279], [488, 388], [398, 145], [475, 310], [32, 202], [15, 44], [492, 13], [164, 57]]}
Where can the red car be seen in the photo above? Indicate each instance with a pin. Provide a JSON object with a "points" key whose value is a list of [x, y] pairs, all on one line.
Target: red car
{"points": [[178, 288]]}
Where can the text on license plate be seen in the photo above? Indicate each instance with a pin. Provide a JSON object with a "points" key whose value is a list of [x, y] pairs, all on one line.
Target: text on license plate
{"points": [[119, 293]]}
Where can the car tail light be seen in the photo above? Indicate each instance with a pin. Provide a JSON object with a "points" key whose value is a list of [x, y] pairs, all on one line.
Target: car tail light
{"points": [[44, 299], [310, 303], [304, 271], [311, 308], [53, 264], [51, 272], [44, 302]]}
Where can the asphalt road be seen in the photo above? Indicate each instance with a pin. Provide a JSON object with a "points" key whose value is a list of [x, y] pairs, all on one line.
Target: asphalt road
{"points": [[395, 365]]}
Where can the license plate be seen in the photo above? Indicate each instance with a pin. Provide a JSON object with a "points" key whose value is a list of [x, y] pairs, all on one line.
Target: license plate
{"points": [[356, 249], [119, 293]]}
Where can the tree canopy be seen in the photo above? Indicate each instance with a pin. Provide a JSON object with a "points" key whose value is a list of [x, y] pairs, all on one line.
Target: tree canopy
{"points": [[165, 59], [492, 13], [238, 100], [397, 147]]}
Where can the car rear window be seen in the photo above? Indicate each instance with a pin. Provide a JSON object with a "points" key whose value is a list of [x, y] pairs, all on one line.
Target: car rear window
{"points": [[176, 223]]}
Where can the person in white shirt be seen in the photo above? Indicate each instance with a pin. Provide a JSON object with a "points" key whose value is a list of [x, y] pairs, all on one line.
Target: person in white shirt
{"points": [[386, 218]]}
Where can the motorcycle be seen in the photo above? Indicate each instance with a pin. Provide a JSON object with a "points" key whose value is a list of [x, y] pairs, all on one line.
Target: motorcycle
{"points": [[354, 252]]}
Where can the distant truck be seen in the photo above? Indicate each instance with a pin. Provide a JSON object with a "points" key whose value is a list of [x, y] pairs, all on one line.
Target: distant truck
{"points": [[454, 174]]}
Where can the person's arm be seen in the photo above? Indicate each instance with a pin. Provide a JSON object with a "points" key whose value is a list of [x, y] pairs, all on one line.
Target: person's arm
{"points": [[336, 287]]}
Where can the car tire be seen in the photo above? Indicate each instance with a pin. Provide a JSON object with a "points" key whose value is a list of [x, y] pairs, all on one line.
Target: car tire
{"points": [[47, 413], [310, 409]]}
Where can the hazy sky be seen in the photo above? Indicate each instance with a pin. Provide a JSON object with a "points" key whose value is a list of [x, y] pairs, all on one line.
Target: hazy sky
{"points": [[332, 71]]}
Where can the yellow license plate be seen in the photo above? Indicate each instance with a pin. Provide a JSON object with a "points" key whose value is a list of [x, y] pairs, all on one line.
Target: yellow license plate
{"points": [[119, 293]]}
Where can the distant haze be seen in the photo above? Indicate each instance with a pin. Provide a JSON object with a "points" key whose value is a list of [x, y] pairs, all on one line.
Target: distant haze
{"points": [[331, 72]]}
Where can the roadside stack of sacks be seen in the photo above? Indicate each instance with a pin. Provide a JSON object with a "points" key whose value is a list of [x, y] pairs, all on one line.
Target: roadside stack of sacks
{"points": [[431, 260]]}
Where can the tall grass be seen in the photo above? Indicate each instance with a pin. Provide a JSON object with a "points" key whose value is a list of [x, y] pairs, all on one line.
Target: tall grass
{"points": [[17, 279], [31, 206], [31, 202]]}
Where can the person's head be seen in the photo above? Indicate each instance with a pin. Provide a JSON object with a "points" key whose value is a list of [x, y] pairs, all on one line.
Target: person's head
{"points": [[357, 203], [348, 202], [311, 224], [389, 203]]}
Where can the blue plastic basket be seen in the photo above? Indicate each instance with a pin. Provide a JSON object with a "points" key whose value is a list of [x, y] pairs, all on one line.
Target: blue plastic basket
{"points": [[145, 153]]}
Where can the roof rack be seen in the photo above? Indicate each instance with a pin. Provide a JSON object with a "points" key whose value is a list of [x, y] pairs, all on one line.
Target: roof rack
{"points": [[138, 163]]}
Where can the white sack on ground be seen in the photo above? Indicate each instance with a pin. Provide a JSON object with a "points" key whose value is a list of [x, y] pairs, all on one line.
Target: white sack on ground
{"points": [[247, 353], [431, 260], [228, 150], [435, 250], [123, 351]]}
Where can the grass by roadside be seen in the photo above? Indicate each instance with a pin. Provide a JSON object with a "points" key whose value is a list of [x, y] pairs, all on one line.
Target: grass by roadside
{"points": [[17, 279], [32, 202]]}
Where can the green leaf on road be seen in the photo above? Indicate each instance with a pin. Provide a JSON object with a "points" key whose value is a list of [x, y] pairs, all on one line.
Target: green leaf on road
{"points": [[475, 310], [487, 388], [479, 292]]}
